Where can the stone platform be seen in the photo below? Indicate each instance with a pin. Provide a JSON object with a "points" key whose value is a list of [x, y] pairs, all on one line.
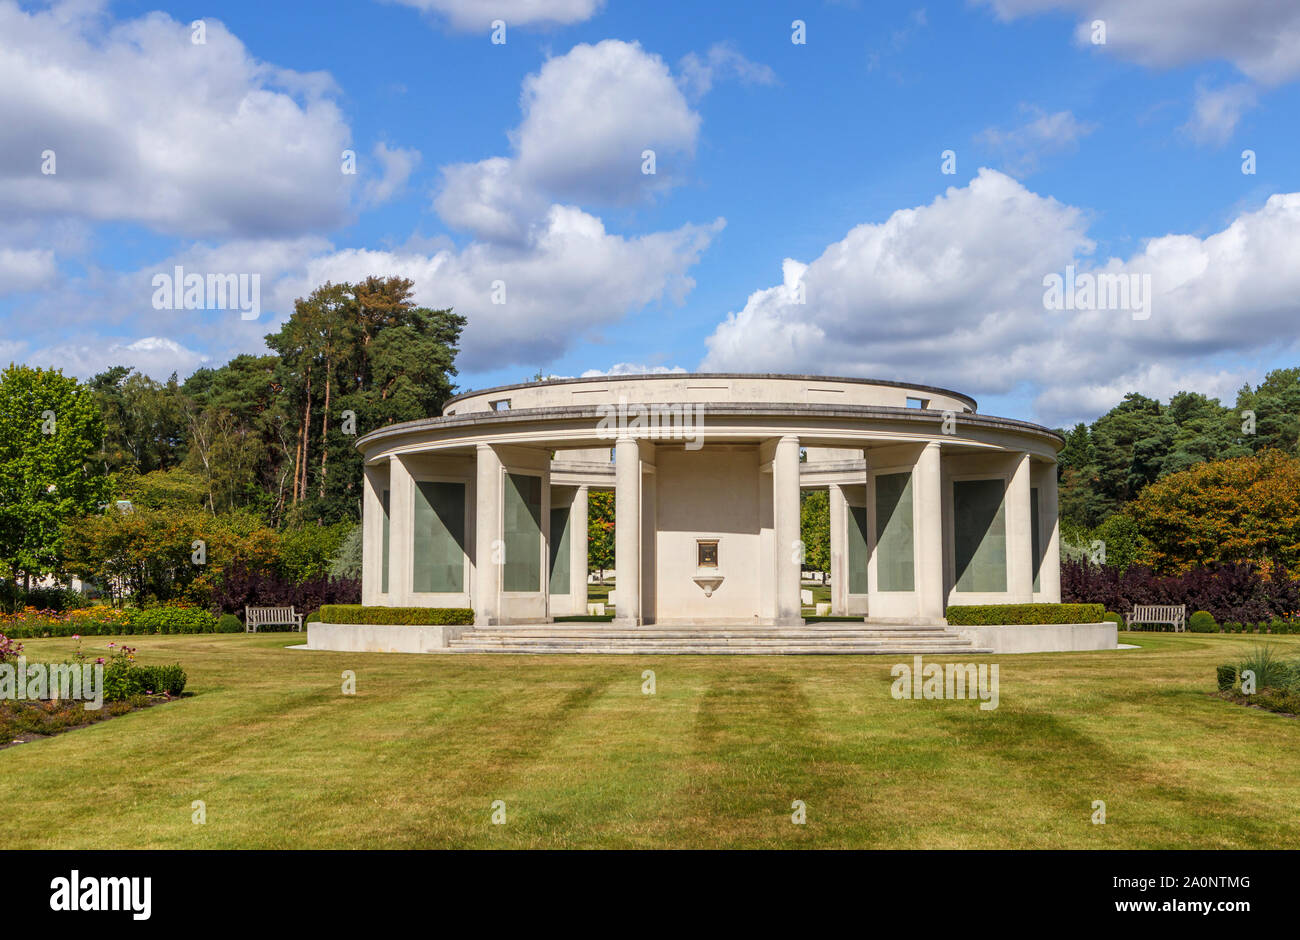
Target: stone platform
{"points": [[815, 639]]}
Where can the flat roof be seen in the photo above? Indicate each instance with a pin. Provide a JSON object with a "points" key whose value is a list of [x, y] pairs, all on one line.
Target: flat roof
{"points": [[796, 409], [640, 377]]}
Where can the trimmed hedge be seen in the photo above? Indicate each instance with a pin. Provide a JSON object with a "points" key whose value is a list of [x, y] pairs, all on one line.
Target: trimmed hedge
{"points": [[1227, 676], [979, 615], [123, 679], [401, 616], [1202, 622], [1114, 618]]}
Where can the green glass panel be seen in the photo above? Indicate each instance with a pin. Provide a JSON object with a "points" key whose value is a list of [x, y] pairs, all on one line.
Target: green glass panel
{"points": [[383, 559], [857, 556], [1035, 536], [894, 556], [980, 530], [560, 550], [522, 531], [438, 553]]}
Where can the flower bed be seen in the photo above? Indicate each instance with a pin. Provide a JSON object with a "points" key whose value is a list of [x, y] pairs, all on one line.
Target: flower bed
{"points": [[30, 702], [30, 623]]}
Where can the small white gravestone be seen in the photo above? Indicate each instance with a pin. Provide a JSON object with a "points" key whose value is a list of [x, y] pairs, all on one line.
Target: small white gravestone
{"points": [[613, 600], [823, 610], [805, 597], [596, 610]]}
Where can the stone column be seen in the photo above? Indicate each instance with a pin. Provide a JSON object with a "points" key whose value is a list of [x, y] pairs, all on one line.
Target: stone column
{"points": [[487, 538], [627, 531], [401, 531], [1049, 576], [578, 551], [372, 535], [928, 488], [839, 551], [1020, 549], [785, 504], [649, 609]]}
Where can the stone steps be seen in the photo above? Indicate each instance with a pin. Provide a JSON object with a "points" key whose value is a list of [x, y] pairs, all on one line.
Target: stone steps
{"points": [[684, 650], [740, 640], [565, 629]]}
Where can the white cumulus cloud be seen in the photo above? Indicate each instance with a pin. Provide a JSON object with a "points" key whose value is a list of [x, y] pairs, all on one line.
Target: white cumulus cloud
{"points": [[25, 269], [145, 125], [478, 14], [1259, 37], [952, 293]]}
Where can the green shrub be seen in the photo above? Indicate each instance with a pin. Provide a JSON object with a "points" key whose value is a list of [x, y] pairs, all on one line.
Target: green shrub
{"points": [[1278, 700], [403, 616], [173, 618], [1202, 622], [170, 679], [1270, 671], [1231, 627], [1117, 619], [1227, 677], [312, 618], [124, 678], [983, 614], [229, 623]]}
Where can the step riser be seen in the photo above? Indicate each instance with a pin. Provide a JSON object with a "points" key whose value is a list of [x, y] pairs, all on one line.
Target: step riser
{"points": [[850, 640], [731, 651]]}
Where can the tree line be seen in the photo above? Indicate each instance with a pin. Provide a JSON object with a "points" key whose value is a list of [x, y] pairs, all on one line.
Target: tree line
{"points": [[264, 440]]}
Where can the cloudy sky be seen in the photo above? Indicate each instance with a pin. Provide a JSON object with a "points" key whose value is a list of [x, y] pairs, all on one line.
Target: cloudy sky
{"points": [[885, 198]]}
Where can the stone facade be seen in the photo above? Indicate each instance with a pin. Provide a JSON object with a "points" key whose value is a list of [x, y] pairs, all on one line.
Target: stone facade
{"points": [[931, 503]]}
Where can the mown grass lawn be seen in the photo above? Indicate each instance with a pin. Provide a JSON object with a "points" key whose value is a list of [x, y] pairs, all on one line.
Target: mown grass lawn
{"points": [[582, 758]]}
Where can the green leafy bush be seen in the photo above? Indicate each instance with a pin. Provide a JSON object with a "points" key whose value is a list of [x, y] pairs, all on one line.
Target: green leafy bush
{"points": [[403, 616], [1202, 622], [172, 619], [1117, 619], [311, 618], [229, 623], [1227, 677], [976, 615], [1278, 700], [170, 679], [124, 678], [1271, 672]]}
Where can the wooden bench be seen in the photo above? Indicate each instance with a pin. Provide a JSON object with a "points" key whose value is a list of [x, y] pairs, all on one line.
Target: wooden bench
{"points": [[1174, 615], [255, 617]]}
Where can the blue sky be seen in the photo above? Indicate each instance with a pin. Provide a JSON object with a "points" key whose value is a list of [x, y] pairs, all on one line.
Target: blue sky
{"points": [[520, 163]]}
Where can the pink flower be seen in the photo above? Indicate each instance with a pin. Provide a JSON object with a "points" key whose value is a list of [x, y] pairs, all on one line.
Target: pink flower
{"points": [[76, 636]]}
